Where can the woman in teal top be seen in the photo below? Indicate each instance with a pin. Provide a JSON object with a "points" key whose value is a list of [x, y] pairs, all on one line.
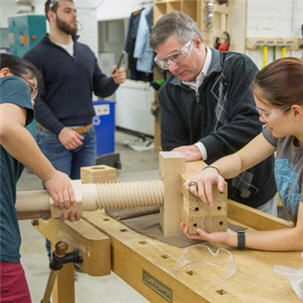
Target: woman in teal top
{"points": [[18, 89], [278, 93]]}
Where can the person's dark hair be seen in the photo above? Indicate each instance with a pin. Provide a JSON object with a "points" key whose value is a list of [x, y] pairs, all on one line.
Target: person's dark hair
{"points": [[280, 83], [174, 24], [18, 66], [52, 5]]}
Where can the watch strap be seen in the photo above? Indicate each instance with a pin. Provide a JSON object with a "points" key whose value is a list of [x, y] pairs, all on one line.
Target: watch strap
{"points": [[241, 239]]}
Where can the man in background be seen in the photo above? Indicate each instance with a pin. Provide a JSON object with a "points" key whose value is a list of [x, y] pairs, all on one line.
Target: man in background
{"points": [[70, 75]]}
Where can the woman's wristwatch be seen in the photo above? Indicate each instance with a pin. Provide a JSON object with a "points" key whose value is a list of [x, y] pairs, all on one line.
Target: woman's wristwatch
{"points": [[241, 239]]}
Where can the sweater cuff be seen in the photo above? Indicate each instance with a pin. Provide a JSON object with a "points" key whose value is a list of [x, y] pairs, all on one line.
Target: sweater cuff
{"points": [[202, 150], [57, 129], [213, 147]]}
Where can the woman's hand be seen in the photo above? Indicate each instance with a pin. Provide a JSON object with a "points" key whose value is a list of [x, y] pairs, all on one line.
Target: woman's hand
{"points": [[228, 237], [201, 184]]}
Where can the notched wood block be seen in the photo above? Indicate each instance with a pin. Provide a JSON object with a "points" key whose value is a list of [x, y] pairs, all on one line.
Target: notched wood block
{"points": [[98, 174], [197, 214], [57, 212]]}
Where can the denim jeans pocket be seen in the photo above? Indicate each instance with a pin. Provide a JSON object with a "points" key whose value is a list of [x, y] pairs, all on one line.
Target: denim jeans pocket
{"points": [[45, 137]]}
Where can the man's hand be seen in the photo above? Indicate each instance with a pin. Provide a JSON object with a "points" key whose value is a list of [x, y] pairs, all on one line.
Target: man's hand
{"points": [[119, 75], [190, 152], [70, 139], [60, 189]]}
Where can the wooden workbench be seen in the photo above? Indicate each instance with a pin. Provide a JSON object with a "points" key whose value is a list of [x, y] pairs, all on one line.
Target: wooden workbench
{"points": [[148, 265]]}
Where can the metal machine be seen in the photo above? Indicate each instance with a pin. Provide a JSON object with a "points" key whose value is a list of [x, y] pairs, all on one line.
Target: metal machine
{"points": [[25, 31]]}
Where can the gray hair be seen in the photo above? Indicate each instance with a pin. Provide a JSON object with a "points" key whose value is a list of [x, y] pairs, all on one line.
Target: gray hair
{"points": [[174, 24]]}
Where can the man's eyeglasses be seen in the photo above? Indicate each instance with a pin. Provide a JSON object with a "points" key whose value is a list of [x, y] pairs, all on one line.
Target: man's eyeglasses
{"points": [[175, 57]]}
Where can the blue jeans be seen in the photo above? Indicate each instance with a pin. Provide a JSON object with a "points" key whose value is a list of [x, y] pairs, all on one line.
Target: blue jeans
{"points": [[67, 161]]}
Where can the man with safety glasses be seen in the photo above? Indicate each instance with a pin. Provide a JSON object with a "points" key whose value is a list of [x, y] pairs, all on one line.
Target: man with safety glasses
{"points": [[207, 110]]}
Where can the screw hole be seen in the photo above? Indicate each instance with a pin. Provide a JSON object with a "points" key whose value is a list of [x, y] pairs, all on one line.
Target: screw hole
{"points": [[164, 256], [123, 230], [219, 208], [221, 292], [221, 223], [142, 242], [195, 225], [106, 219], [196, 208], [190, 272]]}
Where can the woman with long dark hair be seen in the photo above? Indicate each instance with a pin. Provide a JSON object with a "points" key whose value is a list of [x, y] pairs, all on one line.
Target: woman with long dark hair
{"points": [[18, 89]]}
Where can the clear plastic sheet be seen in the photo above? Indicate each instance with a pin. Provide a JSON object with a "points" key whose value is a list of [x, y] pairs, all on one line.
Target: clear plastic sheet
{"points": [[295, 277], [214, 265]]}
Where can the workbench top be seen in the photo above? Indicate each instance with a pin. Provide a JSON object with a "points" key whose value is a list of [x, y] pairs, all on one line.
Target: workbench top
{"points": [[148, 266]]}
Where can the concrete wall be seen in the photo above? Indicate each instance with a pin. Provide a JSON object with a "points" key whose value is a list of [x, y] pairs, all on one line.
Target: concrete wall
{"points": [[7, 8], [118, 9], [273, 18]]}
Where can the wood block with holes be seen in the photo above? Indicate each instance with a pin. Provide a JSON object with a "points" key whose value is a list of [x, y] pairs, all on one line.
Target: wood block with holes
{"points": [[196, 214], [98, 174]]}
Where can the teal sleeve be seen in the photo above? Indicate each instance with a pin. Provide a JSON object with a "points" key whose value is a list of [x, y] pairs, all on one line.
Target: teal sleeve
{"points": [[16, 91]]}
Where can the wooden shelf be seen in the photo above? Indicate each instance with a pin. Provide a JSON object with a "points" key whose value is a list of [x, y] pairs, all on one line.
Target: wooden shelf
{"points": [[292, 43], [162, 7]]}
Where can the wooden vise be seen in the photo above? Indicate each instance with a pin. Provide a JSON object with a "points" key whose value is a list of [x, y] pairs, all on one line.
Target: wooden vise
{"points": [[176, 203]]}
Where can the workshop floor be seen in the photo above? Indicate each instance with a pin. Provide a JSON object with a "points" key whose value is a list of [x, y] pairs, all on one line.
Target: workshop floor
{"points": [[135, 166]]}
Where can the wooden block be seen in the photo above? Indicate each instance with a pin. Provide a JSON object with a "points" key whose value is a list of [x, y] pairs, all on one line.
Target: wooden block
{"points": [[64, 287], [57, 212], [172, 166], [93, 244], [98, 174], [197, 214]]}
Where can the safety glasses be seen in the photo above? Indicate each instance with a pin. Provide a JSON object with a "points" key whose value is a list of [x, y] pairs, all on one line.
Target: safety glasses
{"points": [[33, 87], [179, 56], [268, 115]]}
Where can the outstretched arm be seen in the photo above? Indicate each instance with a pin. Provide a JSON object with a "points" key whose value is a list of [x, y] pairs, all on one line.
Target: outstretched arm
{"points": [[19, 143], [228, 167]]}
